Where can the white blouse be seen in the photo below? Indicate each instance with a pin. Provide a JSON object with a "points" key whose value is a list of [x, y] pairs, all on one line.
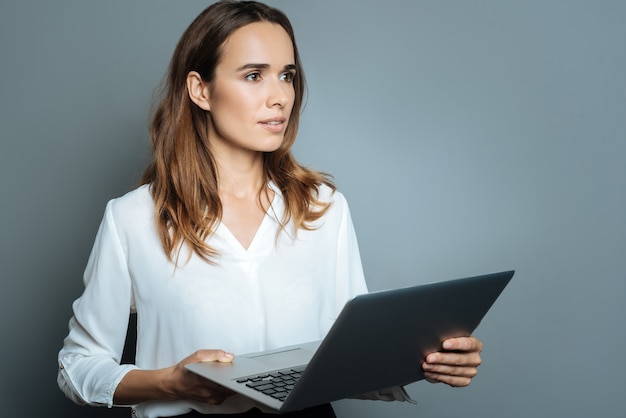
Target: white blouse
{"points": [[280, 291]]}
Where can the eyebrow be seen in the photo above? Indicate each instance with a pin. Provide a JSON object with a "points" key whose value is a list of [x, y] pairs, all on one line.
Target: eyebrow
{"points": [[264, 66]]}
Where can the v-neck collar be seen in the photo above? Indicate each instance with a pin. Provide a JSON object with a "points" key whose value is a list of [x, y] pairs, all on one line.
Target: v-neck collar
{"points": [[265, 233]]}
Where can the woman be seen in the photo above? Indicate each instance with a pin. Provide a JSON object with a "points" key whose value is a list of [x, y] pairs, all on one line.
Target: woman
{"points": [[228, 243]]}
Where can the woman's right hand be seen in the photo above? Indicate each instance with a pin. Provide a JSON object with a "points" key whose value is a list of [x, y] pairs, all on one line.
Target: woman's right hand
{"points": [[173, 383], [183, 384]]}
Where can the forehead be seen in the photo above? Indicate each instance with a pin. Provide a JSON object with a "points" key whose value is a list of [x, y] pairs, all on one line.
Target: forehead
{"points": [[258, 42]]}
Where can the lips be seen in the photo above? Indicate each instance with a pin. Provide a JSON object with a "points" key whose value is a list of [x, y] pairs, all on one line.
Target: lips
{"points": [[273, 121], [274, 125]]}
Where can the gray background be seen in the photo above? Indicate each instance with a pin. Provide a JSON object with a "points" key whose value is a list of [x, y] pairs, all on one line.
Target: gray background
{"points": [[468, 136]]}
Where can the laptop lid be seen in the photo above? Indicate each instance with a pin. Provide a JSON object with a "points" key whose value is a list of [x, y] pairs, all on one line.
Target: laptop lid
{"points": [[379, 340]]}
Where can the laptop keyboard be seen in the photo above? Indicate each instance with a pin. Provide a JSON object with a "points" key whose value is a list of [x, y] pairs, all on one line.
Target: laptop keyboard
{"points": [[276, 384]]}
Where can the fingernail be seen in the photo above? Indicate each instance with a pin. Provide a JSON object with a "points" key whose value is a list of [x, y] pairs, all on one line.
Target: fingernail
{"points": [[447, 345]]}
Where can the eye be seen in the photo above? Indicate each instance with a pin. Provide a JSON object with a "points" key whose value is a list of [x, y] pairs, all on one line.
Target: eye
{"points": [[288, 76], [255, 76]]}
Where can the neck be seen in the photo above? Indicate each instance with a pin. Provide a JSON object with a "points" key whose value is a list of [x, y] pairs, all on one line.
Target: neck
{"points": [[241, 177]]}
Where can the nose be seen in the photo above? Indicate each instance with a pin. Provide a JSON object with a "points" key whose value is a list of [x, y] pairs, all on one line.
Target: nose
{"points": [[278, 94]]}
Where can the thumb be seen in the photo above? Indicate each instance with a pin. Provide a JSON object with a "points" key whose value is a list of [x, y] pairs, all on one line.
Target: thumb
{"points": [[215, 355]]}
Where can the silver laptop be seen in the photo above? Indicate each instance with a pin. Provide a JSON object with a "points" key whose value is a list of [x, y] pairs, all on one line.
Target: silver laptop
{"points": [[378, 341]]}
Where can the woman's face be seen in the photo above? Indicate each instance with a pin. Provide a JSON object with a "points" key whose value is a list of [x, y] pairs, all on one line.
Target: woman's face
{"points": [[252, 93]]}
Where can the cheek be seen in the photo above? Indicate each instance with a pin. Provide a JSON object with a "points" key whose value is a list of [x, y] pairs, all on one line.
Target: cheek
{"points": [[292, 99], [234, 105]]}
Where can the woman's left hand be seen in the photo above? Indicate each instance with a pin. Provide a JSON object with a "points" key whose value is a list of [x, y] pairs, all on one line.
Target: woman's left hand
{"points": [[456, 364]]}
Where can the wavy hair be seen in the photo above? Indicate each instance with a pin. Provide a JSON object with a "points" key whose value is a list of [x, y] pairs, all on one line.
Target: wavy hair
{"points": [[182, 174]]}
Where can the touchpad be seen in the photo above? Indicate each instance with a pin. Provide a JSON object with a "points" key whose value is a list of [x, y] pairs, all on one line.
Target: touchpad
{"points": [[286, 358]]}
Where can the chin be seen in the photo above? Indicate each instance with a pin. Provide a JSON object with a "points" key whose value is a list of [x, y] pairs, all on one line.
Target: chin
{"points": [[271, 146]]}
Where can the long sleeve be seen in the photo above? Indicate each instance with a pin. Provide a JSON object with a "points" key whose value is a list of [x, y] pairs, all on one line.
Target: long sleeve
{"points": [[350, 280], [89, 368]]}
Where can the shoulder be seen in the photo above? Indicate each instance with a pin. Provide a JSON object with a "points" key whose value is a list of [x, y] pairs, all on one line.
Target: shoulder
{"points": [[134, 205], [326, 194], [338, 204]]}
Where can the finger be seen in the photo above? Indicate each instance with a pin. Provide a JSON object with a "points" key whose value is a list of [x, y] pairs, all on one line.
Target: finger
{"points": [[463, 344], [471, 359], [454, 381], [211, 387], [217, 398], [211, 395], [459, 371], [214, 355]]}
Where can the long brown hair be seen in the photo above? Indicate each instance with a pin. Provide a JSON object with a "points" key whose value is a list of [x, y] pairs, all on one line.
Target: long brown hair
{"points": [[183, 175]]}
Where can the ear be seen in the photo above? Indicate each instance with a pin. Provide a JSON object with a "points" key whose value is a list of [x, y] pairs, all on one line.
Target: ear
{"points": [[198, 90]]}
